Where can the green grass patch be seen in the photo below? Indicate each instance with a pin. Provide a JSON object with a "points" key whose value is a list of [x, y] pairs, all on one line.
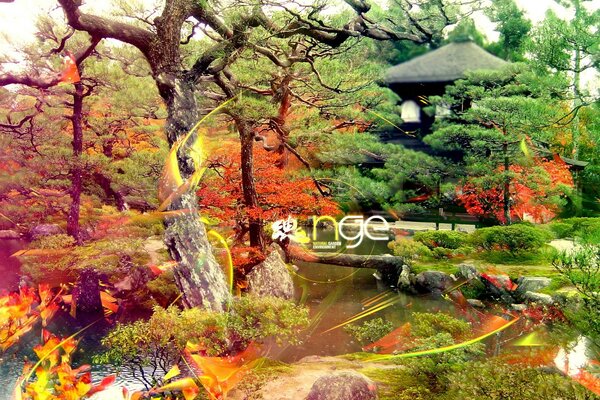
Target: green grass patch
{"points": [[443, 266], [396, 383]]}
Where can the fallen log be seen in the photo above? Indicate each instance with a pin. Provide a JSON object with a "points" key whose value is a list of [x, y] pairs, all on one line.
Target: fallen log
{"points": [[381, 262]]}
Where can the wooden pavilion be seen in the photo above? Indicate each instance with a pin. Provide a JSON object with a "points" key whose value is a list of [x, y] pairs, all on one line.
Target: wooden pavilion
{"points": [[430, 73]]}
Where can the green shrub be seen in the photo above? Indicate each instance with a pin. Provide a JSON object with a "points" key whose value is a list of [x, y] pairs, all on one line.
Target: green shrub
{"points": [[447, 239], [442, 253], [561, 230], [425, 377], [543, 256], [512, 238], [435, 367], [499, 381], [428, 324], [463, 251], [409, 249], [583, 225], [54, 242], [370, 331], [582, 269], [585, 228], [168, 330]]}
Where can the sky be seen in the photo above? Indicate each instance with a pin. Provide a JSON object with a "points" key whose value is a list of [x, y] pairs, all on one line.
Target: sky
{"points": [[17, 20]]}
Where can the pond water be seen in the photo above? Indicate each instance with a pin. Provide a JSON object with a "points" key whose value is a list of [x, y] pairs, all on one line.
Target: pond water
{"points": [[333, 294], [10, 266], [340, 293]]}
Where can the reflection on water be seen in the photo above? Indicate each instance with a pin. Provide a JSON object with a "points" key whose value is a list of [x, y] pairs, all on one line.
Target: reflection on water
{"points": [[354, 290], [9, 266]]}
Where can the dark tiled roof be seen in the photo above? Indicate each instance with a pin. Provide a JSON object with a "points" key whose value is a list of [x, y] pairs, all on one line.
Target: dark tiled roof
{"points": [[445, 64]]}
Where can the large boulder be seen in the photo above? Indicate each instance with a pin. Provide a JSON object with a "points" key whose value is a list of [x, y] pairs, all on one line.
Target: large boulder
{"points": [[405, 279], [42, 230], [532, 284], [343, 386], [433, 282], [9, 234], [271, 277], [467, 271], [539, 298]]}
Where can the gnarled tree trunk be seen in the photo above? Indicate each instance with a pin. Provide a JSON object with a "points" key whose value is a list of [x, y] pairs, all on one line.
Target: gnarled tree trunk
{"points": [[199, 277], [248, 184]]}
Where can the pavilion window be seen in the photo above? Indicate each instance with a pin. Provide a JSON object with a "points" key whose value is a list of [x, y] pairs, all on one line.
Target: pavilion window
{"points": [[410, 112]]}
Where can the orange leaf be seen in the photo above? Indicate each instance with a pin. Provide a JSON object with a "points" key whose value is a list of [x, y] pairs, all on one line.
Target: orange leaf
{"points": [[109, 302], [106, 382], [70, 71]]}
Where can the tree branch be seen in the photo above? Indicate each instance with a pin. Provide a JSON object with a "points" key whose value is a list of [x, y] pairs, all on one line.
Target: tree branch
{"points": [[107, 28]]}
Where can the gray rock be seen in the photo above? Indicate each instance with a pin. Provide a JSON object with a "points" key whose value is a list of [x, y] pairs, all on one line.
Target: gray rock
{"points": [[9, 234], [404, 282], [518, 307], [532, 284], [503, 280], [271, 277], [498, 288], [467, 271], [42, 230], [433, 281], [541, 298], [476, 303], [343, 386]]}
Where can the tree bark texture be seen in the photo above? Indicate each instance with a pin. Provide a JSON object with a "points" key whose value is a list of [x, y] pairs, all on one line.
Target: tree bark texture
{"points": [[352, 260], [76, 169], [248, 183], [198, 275]]}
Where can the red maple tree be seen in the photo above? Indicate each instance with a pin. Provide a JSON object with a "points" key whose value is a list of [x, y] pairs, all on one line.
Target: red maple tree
{"points": [[281, 192], [535, 192]]}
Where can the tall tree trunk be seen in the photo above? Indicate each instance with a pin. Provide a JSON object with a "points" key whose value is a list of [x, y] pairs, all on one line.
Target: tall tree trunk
{"points": [[576, 86], [198, 276], [576, 103], [76, 171], [507, 220], [248, 184]]}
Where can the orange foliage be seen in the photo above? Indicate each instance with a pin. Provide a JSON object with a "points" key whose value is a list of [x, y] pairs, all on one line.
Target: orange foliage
{"points": [[218, 375], [279, 194], [531, 189], [18, 313], [55, 379], [70, 72]]}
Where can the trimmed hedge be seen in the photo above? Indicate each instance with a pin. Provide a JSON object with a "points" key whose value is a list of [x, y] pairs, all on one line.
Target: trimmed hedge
{"points": [[447, 239], [512, 238], [409, 249], [572, 227]]}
